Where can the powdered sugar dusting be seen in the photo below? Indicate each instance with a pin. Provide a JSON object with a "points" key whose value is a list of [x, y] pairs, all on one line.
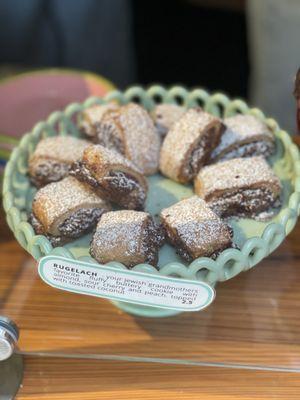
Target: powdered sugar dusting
{"points": [[242, 129], [130, 131], [235, 174], [108, 156], [115, 227], [92, 116], [243, 203], [181, 138], [65, 149], [122, 236], [260, 148], [60, 198], [142, 142], [165, 115], [197, 226], [188, 210]]}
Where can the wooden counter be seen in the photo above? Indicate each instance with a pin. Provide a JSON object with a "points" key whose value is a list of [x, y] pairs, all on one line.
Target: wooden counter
{"points": [[254, 322], [61, 379]]}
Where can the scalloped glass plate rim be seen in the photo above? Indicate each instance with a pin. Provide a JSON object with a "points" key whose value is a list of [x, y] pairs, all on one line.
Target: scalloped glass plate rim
{"points": [[231, 261]]}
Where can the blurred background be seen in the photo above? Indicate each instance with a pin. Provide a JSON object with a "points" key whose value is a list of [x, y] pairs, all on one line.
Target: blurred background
{"points": [[247, 49]]}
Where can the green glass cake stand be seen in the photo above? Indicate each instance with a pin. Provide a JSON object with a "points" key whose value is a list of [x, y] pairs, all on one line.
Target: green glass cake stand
{"points": [[256, 240]]}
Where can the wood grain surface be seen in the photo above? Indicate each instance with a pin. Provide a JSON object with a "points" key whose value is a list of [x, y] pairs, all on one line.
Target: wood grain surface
{"points": [[253, 321], [61, 379]]}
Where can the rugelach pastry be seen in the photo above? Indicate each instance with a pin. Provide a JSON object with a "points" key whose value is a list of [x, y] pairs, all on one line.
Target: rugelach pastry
{"points": [[129, 237], [165, 115], [189, 143], [112, 176], [245, 136], [241, 187], [66, 210], [53, 157], [130, 131], [91, 117], [195, 230]]}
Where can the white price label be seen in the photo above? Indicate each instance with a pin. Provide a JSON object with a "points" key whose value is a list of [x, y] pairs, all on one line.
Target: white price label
{"points": [[125, 285]]}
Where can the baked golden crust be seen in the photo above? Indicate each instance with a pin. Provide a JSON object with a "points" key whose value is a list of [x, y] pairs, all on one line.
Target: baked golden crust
{"points": [[245, 136], [53, 156], [188, 144], [239, 173], [130, 130], [113, 176], [126, 236], [165, 115], [241, 187], [91, 117], [194, 229], [101, 161], [55, 202], [65, 149]]}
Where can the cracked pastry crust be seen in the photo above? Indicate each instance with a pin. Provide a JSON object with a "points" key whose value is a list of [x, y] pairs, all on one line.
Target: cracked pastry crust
{"points": [[91, 117], [52, 158], [195, 230], [66, 210], [130, 130], [189, 143], [126, 236], [112, 176], [165, 115], [241, 187], [245, 136]]}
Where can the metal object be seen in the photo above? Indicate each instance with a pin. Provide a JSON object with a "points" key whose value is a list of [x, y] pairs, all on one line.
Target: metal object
{"points": [[11, 375], [9, 335], [11, 365]]}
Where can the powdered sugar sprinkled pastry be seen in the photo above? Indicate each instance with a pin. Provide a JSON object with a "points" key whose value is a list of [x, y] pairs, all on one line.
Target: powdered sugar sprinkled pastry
{"points": [[66, 210], [245, 136], [129, 237], [53, 157], [189, 143], [240, 187], [112, 176], [91, 117], [195, 230], [130, 131], [165, 115]]}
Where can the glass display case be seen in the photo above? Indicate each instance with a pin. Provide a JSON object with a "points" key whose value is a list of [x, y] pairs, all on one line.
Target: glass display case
{"points": [[253, 322]]}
